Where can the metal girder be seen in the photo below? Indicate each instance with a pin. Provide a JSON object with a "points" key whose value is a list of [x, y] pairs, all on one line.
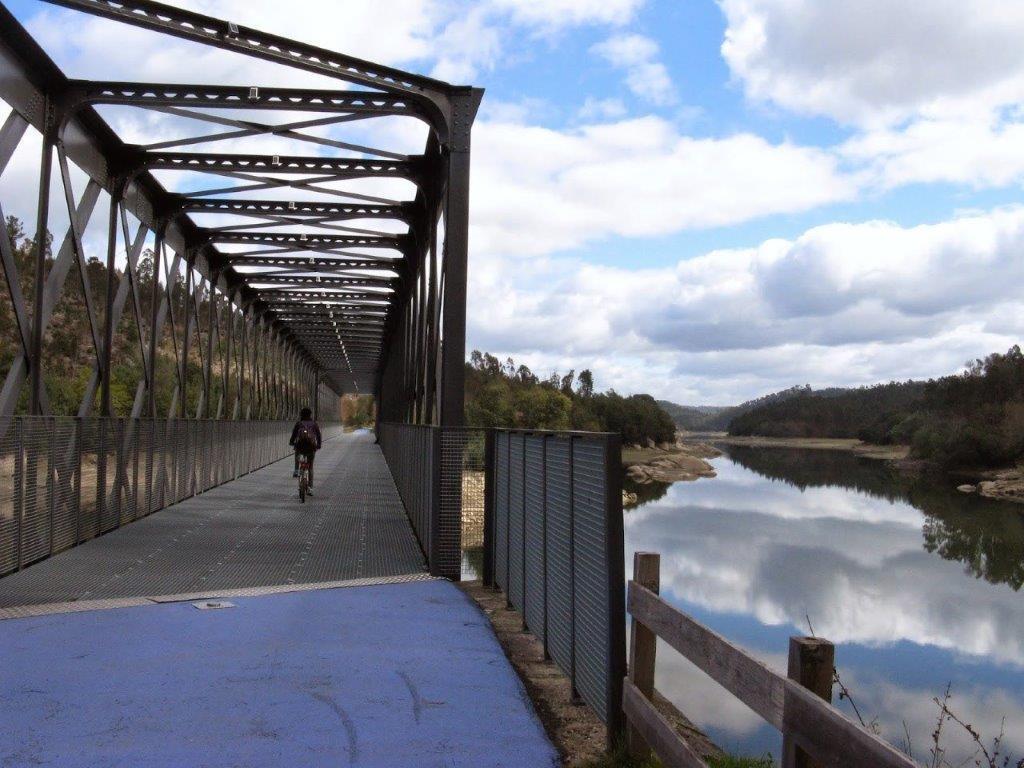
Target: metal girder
{"points": [[336, 167], [368, 103], [307, 261], [335, 211], [310, 241]]}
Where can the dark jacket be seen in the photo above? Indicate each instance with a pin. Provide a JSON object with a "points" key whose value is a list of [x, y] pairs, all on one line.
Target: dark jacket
{"points": [[313, 427]]}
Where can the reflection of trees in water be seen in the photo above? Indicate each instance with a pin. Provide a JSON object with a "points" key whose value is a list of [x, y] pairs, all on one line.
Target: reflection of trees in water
{"points": [[472, 562], [987, 536], [817, 468], [645, 492]]}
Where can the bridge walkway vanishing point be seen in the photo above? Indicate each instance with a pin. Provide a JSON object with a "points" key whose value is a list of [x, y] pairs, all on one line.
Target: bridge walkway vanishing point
{"points": [[293, 670], [252, 532]]}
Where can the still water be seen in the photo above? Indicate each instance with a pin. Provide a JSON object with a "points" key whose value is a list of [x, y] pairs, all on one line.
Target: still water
{"points": [[918, 585]]}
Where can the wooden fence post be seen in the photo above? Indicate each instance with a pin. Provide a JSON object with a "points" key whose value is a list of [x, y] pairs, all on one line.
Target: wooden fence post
{"points": [[643, 645], [811, 664]]}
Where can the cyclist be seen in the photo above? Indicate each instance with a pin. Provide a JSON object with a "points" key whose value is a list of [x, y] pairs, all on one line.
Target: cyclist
{"points": [[306, 440]]}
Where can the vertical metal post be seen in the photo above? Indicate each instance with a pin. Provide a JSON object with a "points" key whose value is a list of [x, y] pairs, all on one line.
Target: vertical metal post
{"points": [[508, 521], [51, 470], [522, 539], [76, 503], [434, 542], [456, 234], [19, 487], [489, 489], [616, 570], [544, 537], [575, 694]]}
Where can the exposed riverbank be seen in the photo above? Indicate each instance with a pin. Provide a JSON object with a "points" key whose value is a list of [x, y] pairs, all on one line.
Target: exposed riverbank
{"points": [[1003, 484], [894, 453], [669, 463]]}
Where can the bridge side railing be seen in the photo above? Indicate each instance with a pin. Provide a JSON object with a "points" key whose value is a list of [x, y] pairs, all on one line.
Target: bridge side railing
{"points": [[551, 504], [64, 480], [439, 473], [554, 546]]}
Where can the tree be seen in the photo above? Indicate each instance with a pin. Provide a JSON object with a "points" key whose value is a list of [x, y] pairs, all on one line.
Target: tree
{"points": [[585, 383]]}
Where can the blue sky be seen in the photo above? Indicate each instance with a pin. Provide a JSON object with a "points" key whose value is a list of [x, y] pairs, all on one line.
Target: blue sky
{"points": [[703, 200]]}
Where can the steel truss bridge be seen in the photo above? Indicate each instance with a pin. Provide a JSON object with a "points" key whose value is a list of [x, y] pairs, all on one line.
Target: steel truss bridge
{"points": [[305, 277]]}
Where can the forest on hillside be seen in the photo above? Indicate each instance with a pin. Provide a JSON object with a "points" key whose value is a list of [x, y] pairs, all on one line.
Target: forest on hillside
{"points": [[970, 420], [68, 350], [503, 394]]}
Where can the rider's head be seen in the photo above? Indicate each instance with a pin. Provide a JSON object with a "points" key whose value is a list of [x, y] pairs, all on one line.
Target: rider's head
{"points": [[306, 414]]}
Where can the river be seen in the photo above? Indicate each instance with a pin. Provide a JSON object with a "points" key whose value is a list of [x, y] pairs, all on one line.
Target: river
{"points": [[918, 585]]}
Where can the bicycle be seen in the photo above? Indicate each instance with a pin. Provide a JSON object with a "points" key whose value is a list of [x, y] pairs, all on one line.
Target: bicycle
{"points": [[303, 477]]}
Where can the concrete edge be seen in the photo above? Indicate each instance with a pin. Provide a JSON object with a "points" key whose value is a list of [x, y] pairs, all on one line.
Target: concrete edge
{"points": [[47, 609]]}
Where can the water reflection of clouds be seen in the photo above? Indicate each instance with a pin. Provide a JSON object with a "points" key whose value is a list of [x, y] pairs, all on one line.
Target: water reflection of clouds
{"points": [[732, 489], [863, 583], [742, 545], [735, 726]]}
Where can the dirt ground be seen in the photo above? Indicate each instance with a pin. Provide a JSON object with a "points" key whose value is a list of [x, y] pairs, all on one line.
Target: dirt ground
{"points": [[574, 729]]}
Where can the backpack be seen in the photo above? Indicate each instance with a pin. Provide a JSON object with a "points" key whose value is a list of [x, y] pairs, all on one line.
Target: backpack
{"points": [[305, 440]]}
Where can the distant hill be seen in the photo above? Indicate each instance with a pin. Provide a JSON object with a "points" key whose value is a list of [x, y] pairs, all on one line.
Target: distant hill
{"points": [[690, 417], [970, 420], [716, 418]]}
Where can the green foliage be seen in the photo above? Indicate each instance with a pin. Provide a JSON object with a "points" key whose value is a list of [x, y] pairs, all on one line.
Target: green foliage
{"points": [[357, 411], [506, 395], [868, 413], [970, 420], [68, 349]]}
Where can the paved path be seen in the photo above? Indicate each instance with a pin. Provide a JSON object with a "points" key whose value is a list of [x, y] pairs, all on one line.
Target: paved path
{"points": [[396, 675], [251, 532]]}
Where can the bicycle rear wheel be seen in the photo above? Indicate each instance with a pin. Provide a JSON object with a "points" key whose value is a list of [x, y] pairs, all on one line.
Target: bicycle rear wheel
{"points": [[303, 485]]}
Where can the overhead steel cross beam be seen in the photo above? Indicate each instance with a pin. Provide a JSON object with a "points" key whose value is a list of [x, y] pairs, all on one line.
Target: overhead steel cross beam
{"points": [[340, 167], [311, 241], [359, 105], [329, 211]]}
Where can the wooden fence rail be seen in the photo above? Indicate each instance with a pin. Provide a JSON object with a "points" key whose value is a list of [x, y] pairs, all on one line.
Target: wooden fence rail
{"points": [[815, 732]]}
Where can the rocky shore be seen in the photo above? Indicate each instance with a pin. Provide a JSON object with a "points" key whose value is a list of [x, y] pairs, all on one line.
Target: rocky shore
{"points": [[669, 462], [1003, 484]]}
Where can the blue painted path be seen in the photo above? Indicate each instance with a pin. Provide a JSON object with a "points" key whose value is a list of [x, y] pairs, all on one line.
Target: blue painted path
{"points": [[391, 676]]}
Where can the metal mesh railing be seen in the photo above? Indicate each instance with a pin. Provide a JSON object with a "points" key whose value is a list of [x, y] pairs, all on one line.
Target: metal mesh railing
{"points": [[555, 549], [439, 473], [64, 480], [412, 455], [462, 499]]}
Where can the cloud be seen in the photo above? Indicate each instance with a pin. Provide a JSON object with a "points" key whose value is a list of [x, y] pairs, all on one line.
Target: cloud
{"points": [[841, 304], [538, 190], [595, 109], [563, 13], [934, 90], [637, 55], [877, 60]]}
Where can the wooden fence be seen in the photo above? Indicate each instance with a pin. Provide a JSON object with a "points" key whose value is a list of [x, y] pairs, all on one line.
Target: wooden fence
{"points": [[814, 732]]}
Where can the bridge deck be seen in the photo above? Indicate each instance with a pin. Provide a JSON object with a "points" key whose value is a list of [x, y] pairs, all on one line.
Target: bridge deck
{"points": [[251, 532], [376, 677]]}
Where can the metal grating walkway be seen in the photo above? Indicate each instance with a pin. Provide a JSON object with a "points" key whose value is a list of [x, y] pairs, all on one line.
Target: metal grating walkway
{"points": [[251, 532]]}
